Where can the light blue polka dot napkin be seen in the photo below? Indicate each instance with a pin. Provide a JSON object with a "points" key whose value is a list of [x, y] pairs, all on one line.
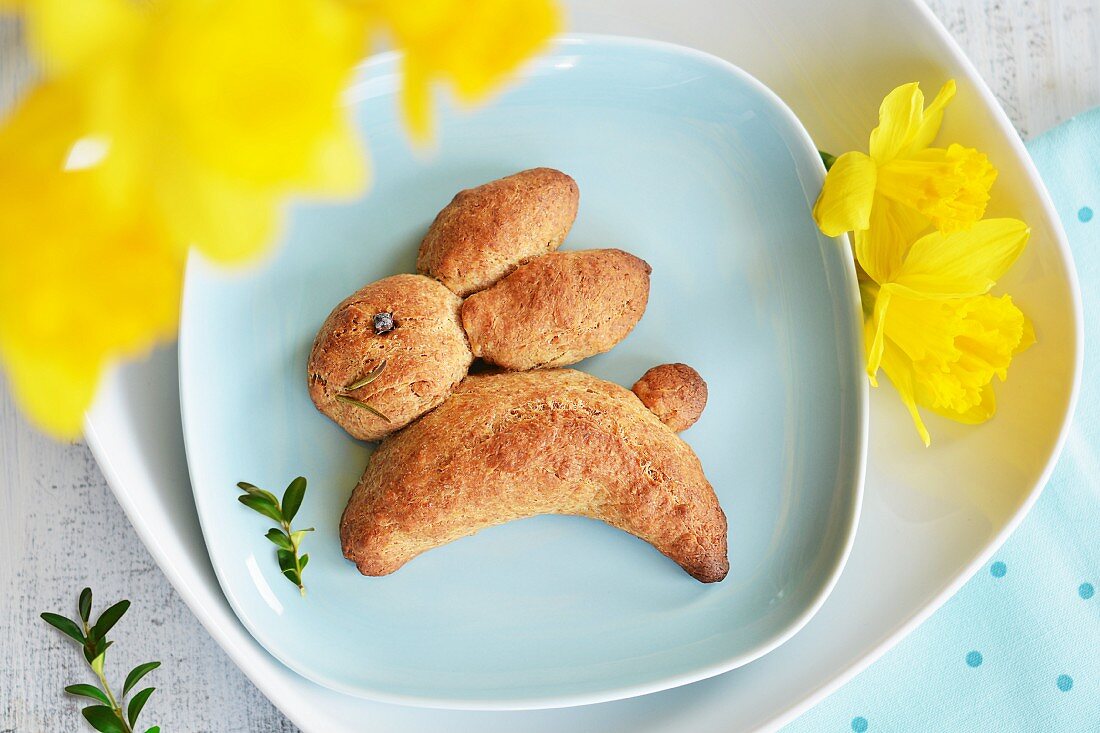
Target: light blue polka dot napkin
{"points": [[1018, 648]]}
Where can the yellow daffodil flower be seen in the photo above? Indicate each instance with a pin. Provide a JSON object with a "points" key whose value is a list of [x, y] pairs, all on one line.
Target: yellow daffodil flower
{"points": [[931, 324], [75, 286], [903, 184], [474, 44], [216, 109], [167, 124]]}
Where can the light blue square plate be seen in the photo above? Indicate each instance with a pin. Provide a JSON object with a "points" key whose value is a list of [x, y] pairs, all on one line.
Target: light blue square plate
{"points": [[681, 159]]}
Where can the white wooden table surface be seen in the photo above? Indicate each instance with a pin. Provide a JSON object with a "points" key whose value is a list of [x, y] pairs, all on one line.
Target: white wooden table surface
{"points": [[61, 528]]}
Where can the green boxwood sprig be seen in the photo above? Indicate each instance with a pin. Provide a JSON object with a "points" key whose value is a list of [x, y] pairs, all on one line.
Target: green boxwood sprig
{"points": [[111, 714], [287, 541]]}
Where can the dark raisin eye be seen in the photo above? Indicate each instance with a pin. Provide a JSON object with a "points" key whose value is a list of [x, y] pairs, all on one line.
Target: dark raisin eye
{"points": [[383, 323]]}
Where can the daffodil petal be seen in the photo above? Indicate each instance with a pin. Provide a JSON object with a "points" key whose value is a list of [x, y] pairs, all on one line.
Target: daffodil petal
{"points": [[903, 223], [66, 33], [227, 221], [471, 44], [37, 136], [925, 329], [416, 100], [83, 283], [882, 247], [263, 99], [962, 264], [900, 372], [53, 395], [869, 336], [338, 165], [847, 195], [501, 35], [930, 123], [899, 118], [878, 340]]}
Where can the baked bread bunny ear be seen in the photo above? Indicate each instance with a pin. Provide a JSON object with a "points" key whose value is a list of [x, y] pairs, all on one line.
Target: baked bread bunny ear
{"points": [[558, 309], [486, 232]]}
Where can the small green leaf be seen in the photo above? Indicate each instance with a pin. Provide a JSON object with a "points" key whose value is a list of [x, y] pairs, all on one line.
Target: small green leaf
{"points": [[88, 691], [302, 563], [300, 534], [261, 505], [286, 560], [65, 625], [827, 158], [257, 491], [154, 729], [97, 664], [109, 618], [293, 577], [136, 674], [292, 498], [93, 649], [85, 604], [279, 538], [103, 719], [137, 703]]}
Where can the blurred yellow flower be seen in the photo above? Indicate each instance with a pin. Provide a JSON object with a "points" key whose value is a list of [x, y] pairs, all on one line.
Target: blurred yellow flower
{"points": [[76, 286], [903, 184], [167, 124], [215, 109], [931, 325], [473, 44]]}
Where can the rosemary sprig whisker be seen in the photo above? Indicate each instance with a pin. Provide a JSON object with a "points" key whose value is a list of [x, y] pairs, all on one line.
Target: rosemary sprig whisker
{"points": [[370, 376], [362, 405]]}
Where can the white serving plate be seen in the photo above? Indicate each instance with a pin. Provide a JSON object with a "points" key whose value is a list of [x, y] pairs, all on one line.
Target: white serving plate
{"points": [[930, 518]]}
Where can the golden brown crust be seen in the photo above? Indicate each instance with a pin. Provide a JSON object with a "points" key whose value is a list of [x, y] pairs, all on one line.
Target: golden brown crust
{"points": [[485, 232], [558, 309], [517, 444], [426, 354], [675, 393]]}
